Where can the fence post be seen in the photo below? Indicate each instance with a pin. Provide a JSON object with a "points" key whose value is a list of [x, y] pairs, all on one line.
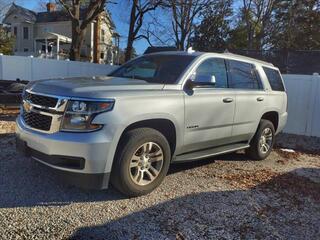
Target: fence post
{"points": [[1, 67], [312, 103], [314, 116]]}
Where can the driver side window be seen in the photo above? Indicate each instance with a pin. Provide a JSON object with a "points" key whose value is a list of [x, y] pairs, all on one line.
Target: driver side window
{"points": [[210, 69]]}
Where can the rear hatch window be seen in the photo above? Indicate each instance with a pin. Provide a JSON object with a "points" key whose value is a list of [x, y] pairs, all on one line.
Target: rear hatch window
{"points": [[274, 79]]}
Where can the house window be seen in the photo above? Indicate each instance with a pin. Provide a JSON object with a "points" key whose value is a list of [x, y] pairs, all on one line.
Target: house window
{"points": [[26, 50], [15, 31], [102, 55], [102, 35], [25, 33]]}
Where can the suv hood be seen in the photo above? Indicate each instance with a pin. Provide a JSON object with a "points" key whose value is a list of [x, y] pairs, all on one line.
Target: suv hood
{"points": [[95, 87]]}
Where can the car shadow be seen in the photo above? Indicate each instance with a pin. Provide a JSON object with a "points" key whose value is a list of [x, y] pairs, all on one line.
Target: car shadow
{"points": [[272, 209], [178, 167], [26, 183], [285, 205]]}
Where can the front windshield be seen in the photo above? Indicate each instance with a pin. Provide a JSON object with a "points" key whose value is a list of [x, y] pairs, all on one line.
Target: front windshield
{"points": [[160, 68]]}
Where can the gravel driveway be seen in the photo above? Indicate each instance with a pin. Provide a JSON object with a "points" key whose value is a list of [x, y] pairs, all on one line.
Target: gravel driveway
{"points": [[227, 197]]}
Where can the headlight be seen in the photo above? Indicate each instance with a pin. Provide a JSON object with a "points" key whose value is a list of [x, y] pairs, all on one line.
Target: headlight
{"points": [[79, 114]]}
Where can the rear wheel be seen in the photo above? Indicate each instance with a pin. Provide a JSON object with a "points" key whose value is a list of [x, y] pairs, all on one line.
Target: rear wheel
{"points": [[262, 143], [141, 162]]}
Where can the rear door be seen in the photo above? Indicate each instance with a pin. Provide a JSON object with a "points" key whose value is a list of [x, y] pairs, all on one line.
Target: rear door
{"points": [[250, 98], [209, 110]]}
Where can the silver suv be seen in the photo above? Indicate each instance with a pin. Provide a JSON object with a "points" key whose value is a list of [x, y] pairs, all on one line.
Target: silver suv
{"points": [[154, 110]]}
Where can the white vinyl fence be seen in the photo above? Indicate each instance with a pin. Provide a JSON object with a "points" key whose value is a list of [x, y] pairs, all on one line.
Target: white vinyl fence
{"points": [[30, 69], [304, 104]]}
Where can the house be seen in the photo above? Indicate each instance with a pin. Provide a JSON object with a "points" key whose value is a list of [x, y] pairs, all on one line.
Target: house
{"points": [[48, 34]]}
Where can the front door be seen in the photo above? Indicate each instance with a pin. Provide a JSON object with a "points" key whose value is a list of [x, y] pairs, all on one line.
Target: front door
{"points": [[209, 110]]}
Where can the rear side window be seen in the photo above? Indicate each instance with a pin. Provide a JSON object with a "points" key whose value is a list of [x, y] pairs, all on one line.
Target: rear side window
{"points": [[274, 79], [242, 75]]}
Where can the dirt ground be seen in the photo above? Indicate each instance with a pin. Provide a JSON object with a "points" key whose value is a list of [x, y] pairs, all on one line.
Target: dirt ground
{"points": [[226, 197]]}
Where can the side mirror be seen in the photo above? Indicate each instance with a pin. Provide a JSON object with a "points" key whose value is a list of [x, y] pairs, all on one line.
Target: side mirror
{"points": [[201, 81], [213, 80]]}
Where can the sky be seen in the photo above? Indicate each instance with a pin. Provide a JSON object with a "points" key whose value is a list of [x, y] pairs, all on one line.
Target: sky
{"points": [[120, 13]]}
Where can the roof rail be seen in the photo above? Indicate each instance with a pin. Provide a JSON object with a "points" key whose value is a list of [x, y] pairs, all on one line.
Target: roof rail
{"points": [[248, 58]]}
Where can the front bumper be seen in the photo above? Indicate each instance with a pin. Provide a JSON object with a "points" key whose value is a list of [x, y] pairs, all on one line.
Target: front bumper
{"points": [[80, 158]]}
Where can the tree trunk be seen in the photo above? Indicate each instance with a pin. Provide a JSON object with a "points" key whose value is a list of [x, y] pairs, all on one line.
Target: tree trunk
{"points": [[131, 31], [77, 41], [96, 37], [77, 35]]}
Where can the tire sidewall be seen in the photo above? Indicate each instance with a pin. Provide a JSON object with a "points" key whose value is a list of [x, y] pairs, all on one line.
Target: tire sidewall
{"points": [[129, 149]]}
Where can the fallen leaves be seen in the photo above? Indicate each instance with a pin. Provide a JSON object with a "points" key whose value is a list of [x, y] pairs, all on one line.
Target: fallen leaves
{"points": [[249, 179]]}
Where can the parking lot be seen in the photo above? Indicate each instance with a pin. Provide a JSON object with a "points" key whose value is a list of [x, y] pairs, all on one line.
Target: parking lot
{"points": [[226, 197]]}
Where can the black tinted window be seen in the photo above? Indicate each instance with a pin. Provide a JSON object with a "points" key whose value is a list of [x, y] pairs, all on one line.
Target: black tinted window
{"points": [[213, 67], [274, 79], [155, 68], [242, 75], [25, 33]]}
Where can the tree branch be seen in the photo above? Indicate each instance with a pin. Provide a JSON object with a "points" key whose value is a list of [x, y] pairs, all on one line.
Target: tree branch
{"points": [[93, 10], [66, 7]]}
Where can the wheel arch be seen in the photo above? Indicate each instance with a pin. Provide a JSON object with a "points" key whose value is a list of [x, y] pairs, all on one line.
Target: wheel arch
{"points": [[163, 125], [272, 116]]}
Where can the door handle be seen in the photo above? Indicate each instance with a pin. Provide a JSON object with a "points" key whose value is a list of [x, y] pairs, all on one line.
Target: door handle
{"points": [[228, 100], [260, 99]]}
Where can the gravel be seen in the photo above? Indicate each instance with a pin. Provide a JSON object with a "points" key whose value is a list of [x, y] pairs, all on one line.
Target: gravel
{"points": [[226, 197]]}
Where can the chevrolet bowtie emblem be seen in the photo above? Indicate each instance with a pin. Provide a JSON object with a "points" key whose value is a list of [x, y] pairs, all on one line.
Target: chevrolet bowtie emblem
{"points": [[27, 107]]}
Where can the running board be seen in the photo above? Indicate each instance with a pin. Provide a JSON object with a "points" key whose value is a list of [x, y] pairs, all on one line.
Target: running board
{"points": [[209, 152]]}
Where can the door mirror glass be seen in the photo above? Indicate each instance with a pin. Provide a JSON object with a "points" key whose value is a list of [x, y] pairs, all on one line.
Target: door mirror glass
{"points": [[203, 78]]}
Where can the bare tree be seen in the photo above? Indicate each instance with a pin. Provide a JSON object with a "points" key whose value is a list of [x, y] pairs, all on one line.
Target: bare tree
{"points": [[92, 10], [263, 13], [184, 13], [156, 30], [4, 6], [139, 9], [256, 15]]}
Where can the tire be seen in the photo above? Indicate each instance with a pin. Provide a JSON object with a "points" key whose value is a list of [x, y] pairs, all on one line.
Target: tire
{"points": [[256, 151], [133, 150]]}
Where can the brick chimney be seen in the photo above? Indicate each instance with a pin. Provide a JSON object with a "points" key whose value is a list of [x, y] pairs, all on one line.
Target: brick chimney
{"points": [[51, 7]]}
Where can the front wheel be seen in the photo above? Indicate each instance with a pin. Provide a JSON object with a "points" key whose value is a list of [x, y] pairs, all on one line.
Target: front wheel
{"points": [[141, 163], [262, 143]]}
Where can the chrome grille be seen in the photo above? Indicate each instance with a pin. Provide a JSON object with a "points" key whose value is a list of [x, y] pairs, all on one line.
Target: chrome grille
{"points": [[40, 100], [37, 121], [43, 112]]}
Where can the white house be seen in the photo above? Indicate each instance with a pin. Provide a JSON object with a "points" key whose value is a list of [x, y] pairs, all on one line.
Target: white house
{"points": [[48, 34]]}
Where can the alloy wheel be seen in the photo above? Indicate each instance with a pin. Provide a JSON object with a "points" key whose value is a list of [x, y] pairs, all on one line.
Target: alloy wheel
{"points": [[265, 141], [146, 163]]}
